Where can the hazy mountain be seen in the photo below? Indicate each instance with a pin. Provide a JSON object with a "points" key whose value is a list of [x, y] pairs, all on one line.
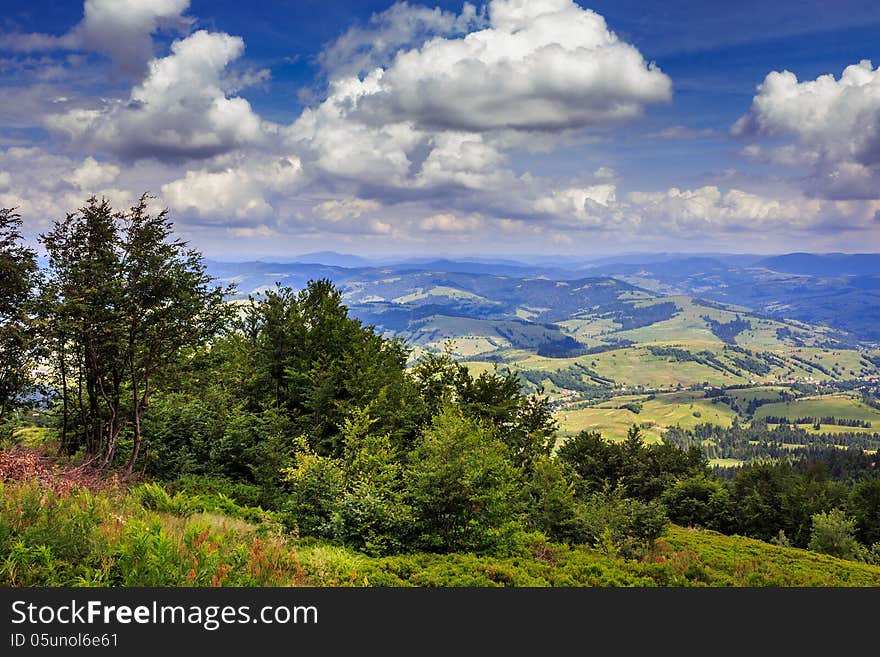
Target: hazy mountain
{"points": [[831, 264]]}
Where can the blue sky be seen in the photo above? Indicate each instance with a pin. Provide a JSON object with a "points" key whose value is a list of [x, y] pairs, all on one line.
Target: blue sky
{"points": [[275, 128]]}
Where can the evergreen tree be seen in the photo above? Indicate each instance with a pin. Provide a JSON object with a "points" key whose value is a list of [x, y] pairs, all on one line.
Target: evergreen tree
{"points": [[18, 272]]}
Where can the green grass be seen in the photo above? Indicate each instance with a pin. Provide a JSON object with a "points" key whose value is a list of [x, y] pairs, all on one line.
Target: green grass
{"points": [[840, 406], [744, 395], [684, 409], [33, 436], [738, 561], [111, 539], [726, 463]]}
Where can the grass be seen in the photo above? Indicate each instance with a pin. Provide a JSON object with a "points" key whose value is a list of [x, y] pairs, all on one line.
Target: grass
{"points": [[111, 539], [744, 395], [840, 406], [726, 463], [685, 409], [33, 436]]}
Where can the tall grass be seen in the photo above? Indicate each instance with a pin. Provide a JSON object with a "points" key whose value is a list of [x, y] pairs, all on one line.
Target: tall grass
{"points": [[147, 537]]}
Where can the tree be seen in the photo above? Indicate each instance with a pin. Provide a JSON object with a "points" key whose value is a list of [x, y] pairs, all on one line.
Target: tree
{"points": [[525, 423], [864, 506], [308, 358], [18, 270], [462, 485], [699, 501], [169, 304], [552, 502], [769, 497], [596, 461], [122, 299], [373, 514], [834, 533], [80, 305]]}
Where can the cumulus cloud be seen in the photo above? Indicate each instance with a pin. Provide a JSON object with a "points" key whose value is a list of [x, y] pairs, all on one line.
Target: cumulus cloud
{"points": [[446, 222], [120, 29], [588, 205], [91, 174], [443, 115], [835, 124], [676, 213], [44, 186], [181, 110], [243, 192], [463, 159], [540, 65], [362, 48], [345, 208]]}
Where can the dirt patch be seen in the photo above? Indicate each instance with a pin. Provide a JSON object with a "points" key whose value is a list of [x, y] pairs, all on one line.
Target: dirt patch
{"points": [[24, 464]]}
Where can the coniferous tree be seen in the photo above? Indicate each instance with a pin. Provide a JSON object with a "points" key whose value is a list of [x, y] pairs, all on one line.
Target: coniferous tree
{"points": [[18, 270]]}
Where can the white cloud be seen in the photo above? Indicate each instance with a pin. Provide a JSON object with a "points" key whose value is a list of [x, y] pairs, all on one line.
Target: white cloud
{"points": [[835, 125], [687, 211], [91, 174], [445, 114], [445, 222], [345, 208], [344, 149], [588, 205], [120, 29], [243, 192], [251, 232], [541, 65], [361, 49], [462, 159], [44, 186], [681, 132], [606, 173], [179, 111]]}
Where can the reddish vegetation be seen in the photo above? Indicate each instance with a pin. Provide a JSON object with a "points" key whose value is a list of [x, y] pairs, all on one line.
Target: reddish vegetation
{"points": [[27, 464]]}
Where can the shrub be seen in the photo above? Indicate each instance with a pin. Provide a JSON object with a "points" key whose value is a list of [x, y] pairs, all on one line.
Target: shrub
{"points": [[834, 533]]}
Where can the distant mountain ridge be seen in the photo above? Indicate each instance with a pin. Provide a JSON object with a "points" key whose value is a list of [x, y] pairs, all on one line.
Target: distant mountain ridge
{"points": [[840, 291], [830, 264]]}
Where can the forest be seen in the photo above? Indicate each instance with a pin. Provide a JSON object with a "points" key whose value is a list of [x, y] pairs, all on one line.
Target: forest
{"points": [[286, 409]]}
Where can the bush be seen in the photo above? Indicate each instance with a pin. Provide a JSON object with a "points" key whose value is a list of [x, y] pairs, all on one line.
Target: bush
{"points": [[699, 502], [621, 525], [317, 485], [463, 487], [834, 533]]}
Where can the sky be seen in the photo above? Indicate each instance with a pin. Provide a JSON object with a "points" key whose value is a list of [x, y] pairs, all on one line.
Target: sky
{"points": [[269, 129]]}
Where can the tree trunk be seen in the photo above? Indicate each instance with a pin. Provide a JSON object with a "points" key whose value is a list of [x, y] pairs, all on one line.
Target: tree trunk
{"points": [[62, 448]]}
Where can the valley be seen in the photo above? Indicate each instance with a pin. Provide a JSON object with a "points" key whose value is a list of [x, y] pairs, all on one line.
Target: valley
{"points": [[670, 342]]}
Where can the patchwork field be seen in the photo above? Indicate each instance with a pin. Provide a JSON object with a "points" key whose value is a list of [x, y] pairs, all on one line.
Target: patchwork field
{"points": [[841, 406], [655, 414]]}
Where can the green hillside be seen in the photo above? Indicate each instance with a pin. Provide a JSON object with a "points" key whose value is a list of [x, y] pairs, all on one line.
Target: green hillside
{"points": [[120, 539]]}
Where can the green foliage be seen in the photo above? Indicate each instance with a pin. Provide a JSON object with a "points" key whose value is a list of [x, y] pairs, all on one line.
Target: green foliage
{"points": [[552, 504], [621, 525], [156, 498], [834, 533], [463, 486], [699, 501], [524, 423], [317, 484], [864, 507], [306, 357], [771, 497], [109, 539], [121, 300], [18, 275], [373, 515], [644, 471]]}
